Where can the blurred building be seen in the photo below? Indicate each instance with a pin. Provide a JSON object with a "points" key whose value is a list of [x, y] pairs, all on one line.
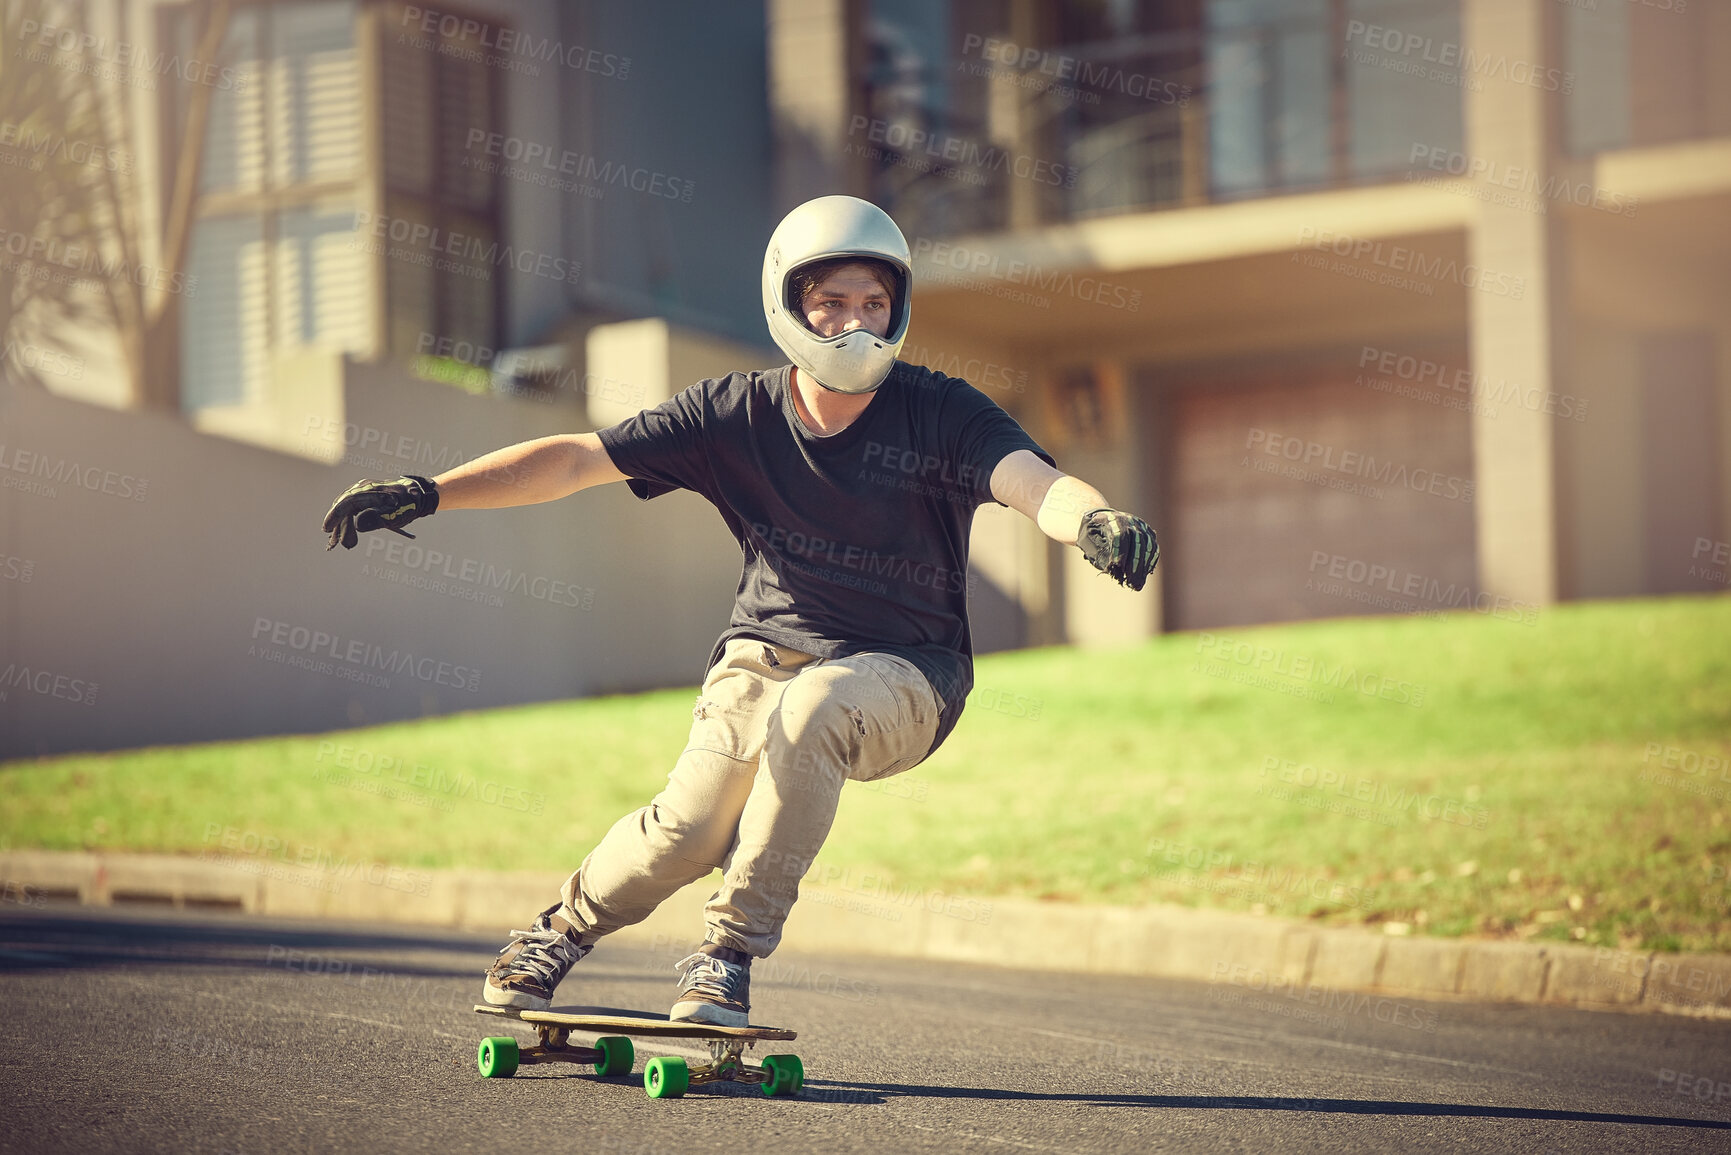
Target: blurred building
{"points": [[1374, 304], [1370, 306]]}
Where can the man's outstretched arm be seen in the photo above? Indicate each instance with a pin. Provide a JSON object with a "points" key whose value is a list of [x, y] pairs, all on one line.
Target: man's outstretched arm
{"points": [[527, 473], [1069, 510]]}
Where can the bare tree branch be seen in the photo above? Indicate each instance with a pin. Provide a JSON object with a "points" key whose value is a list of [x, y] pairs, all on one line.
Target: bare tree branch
{"points": [[72, 235]]}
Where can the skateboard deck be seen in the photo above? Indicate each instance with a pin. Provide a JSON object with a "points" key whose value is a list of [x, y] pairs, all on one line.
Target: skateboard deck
{"points": [[664, 1077]]}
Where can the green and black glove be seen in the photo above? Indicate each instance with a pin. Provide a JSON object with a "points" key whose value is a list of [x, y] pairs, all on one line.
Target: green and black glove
{"points": [[369, 505], [1120, 545]]}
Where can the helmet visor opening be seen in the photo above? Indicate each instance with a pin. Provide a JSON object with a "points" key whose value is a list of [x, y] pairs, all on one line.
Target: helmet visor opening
{"points": [[807, 278]]}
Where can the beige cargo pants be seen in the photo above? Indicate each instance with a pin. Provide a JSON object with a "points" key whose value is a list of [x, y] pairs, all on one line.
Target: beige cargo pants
{"points": [[774, 735]]}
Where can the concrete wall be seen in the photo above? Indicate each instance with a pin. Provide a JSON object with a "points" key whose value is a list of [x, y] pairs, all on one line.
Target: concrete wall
{"points": [[162, 585]]}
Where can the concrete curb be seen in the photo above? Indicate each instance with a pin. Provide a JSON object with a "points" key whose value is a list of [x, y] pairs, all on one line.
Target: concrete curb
{"points": [[1242, 956]]}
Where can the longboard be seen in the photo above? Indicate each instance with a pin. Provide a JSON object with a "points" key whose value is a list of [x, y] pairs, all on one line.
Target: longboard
{"points": [[664, 1077]]}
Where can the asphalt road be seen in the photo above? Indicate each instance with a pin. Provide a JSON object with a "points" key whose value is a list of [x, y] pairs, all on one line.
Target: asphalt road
{"points": [[141, 1030]]}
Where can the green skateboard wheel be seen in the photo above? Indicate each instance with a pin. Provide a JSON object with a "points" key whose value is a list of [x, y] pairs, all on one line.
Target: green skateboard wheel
{"points": [[617, 1055], [497, 1057], [666, 1077], [785, 1075]]}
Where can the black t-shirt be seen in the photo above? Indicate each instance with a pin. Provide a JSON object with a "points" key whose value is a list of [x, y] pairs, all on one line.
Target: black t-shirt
{"points": [[853, 542]]}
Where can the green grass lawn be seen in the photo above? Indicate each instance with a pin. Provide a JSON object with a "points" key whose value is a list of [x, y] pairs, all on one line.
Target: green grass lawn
{"points": [[1468, 775]]}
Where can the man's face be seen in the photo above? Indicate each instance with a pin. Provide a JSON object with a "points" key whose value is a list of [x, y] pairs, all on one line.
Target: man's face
{"points": [[849, 298]]}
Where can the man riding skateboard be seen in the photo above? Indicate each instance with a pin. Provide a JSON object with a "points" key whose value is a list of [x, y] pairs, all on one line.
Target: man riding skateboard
{"points": [[850, 481]]}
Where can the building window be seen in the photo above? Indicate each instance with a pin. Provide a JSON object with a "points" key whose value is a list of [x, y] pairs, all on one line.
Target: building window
{"points": [[285, 240], [278, 189], [440, 105], [1302, 94], [926, 132], [1643, 75]]}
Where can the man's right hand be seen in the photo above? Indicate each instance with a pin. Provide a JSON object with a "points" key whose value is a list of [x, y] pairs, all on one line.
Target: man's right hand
{"points": [[369, 505]]}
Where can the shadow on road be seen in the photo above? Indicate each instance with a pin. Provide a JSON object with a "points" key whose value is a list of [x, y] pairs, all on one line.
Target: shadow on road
{"points": [[881, 1092], [65, 940]]}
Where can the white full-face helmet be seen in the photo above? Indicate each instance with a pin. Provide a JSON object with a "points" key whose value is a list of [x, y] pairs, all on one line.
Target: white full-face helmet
{"points": [[856, 361]]}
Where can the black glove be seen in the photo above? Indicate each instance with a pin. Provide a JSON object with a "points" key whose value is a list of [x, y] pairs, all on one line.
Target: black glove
{"points": [[369, 505], [1120, 545]]}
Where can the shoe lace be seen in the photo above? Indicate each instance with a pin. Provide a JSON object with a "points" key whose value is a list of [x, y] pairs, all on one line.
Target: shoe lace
{"points": [[706, 975], [547, 954]]}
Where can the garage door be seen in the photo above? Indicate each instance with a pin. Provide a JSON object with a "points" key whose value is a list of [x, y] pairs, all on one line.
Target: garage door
{"points": [[1319, 491]]}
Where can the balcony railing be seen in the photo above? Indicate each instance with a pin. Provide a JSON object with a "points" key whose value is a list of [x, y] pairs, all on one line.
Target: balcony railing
{"points": [[968, 132], [1271, 98]]}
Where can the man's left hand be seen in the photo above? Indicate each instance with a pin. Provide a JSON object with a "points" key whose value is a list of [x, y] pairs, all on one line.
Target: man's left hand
{"points": [[1120, 545]]}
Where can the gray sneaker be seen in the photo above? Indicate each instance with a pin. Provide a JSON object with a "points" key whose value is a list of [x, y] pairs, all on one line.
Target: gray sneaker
{"points": [[716, 989], [528, 970]]}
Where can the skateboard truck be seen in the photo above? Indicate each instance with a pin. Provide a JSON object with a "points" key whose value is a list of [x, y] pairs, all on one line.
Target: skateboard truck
{"points": [[669, 1077]]}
